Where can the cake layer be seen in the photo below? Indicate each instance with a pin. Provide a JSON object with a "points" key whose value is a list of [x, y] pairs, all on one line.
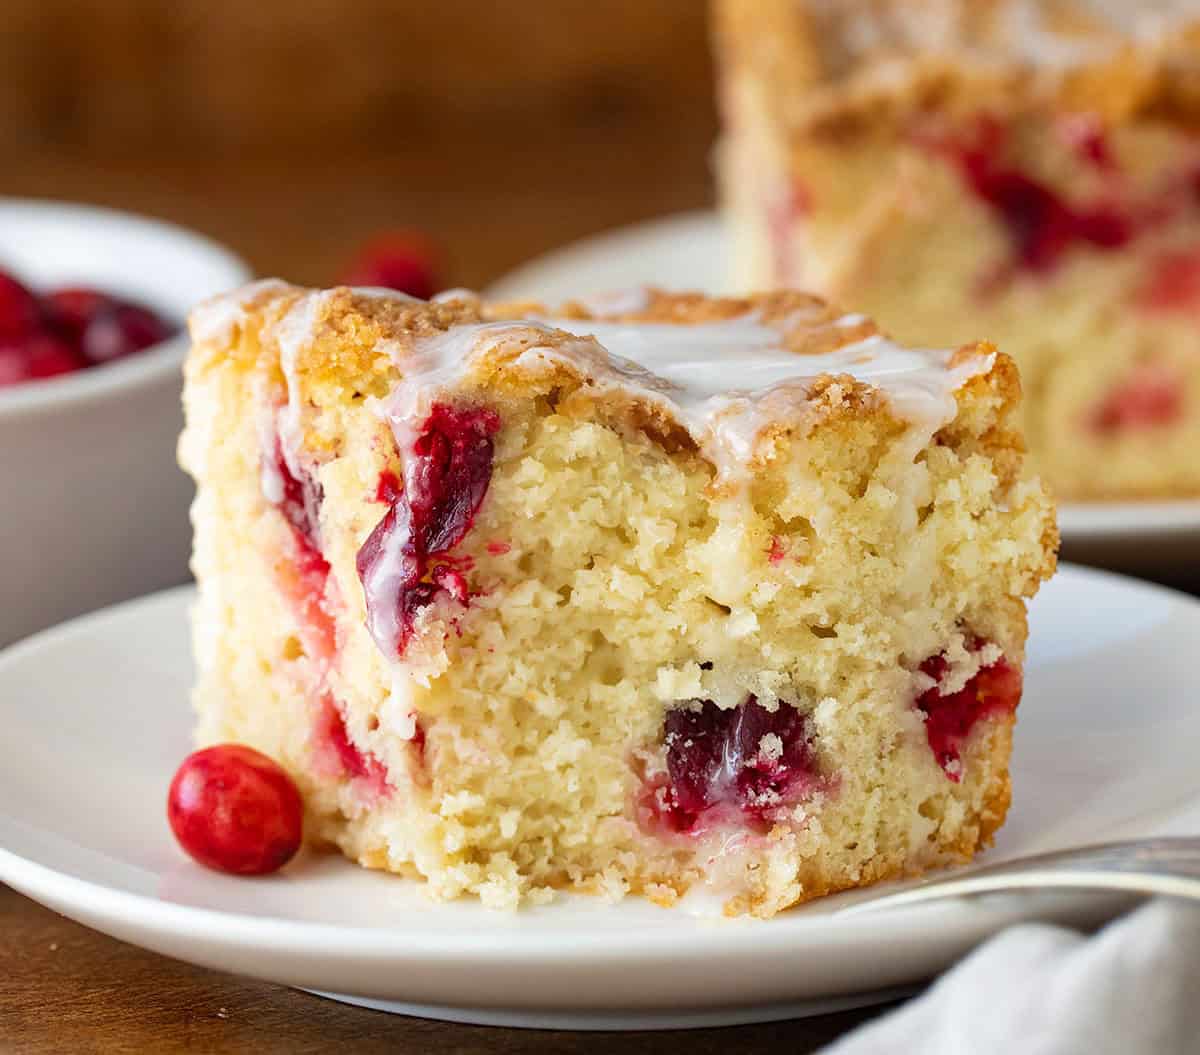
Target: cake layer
{"points": [[1023, 169], [642, 594]]}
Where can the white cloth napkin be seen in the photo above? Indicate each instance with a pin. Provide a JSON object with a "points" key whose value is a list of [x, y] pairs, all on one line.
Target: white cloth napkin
{"points": [[1133, 988]]}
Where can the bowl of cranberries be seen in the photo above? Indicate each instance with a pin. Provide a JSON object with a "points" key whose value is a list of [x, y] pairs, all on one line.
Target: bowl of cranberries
{"points": [[67, 329], [92, 310]]}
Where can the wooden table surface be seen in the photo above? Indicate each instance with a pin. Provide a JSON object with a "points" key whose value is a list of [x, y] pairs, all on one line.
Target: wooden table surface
{"points": [[67, 990], [492, 203]]}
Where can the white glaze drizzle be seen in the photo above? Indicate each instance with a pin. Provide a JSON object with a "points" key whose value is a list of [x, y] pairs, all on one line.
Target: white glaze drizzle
{"points": [[724, 381], [1029, 33], [294, 332], [214, 320], [1034, 31], [618, 301]]}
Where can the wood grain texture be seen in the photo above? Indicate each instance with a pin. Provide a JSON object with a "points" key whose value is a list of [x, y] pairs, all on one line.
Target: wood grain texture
{"points": [[492, 201], [221, 75]]}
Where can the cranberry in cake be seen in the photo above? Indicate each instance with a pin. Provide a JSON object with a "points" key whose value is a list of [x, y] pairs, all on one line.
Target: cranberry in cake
{"points": [[642, 595], [1024, 169]]}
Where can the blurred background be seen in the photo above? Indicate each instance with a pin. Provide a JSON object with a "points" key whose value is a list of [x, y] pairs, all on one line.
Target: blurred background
{"points": [[292, 132]]}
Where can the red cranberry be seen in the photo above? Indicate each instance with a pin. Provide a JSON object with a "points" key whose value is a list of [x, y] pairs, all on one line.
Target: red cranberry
{"points": [[450, 473], [446, 479], [307, 590], [48, 357], [121, 331], [304, 579], [994, 689], [71, 309], [403, 260], [36, 357], [301, 503], [1173, 284], [1042, 225], [1087, 136], [746, 758], [1153, 395], [235, 810], [389, 487], [13, 368], [351, 762], [19, 311]]}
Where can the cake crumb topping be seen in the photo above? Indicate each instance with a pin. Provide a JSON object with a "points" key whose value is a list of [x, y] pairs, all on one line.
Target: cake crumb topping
{"points": [[725, 380]]}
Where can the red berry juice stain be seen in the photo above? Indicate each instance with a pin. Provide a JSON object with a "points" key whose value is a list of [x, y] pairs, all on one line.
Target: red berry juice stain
{"points": [[345, 757], [305, 579], [1172, 286], [1151, 396], [389, 488], [993, 690], [1043, 227]]}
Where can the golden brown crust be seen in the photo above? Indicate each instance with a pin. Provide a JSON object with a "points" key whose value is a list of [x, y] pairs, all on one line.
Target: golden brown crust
{"points": [[814, 328], [374, 334], [375, 331], [999, 794], [343, 339]]}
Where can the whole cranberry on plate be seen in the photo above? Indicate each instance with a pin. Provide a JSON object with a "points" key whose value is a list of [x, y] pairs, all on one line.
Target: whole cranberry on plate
{"points": [[235, 810], [403, 260]]}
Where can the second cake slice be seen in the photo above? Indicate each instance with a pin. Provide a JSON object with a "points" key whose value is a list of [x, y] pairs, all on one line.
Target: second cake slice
{"points": [[1024, 169]]}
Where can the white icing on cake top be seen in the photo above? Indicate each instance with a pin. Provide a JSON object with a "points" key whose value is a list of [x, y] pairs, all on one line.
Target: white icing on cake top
{"points": [[724, 381], [1041, 32], [295, 330], [214, 320], [1029, 30]]}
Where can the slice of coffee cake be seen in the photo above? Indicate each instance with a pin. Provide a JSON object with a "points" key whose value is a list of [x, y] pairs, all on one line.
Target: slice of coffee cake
{"points": [[630, 596], [1024, 169]]}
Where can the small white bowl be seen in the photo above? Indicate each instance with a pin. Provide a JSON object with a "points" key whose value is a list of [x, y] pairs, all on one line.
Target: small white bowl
{"points": [[93, 508]]}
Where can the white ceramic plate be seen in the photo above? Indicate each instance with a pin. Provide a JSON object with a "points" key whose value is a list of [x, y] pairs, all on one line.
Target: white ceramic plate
{"points": [[95, 719], [690, 251]]}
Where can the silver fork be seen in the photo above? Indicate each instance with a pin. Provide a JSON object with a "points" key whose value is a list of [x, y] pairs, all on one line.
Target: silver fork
{"points": [[1143, 866]]}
